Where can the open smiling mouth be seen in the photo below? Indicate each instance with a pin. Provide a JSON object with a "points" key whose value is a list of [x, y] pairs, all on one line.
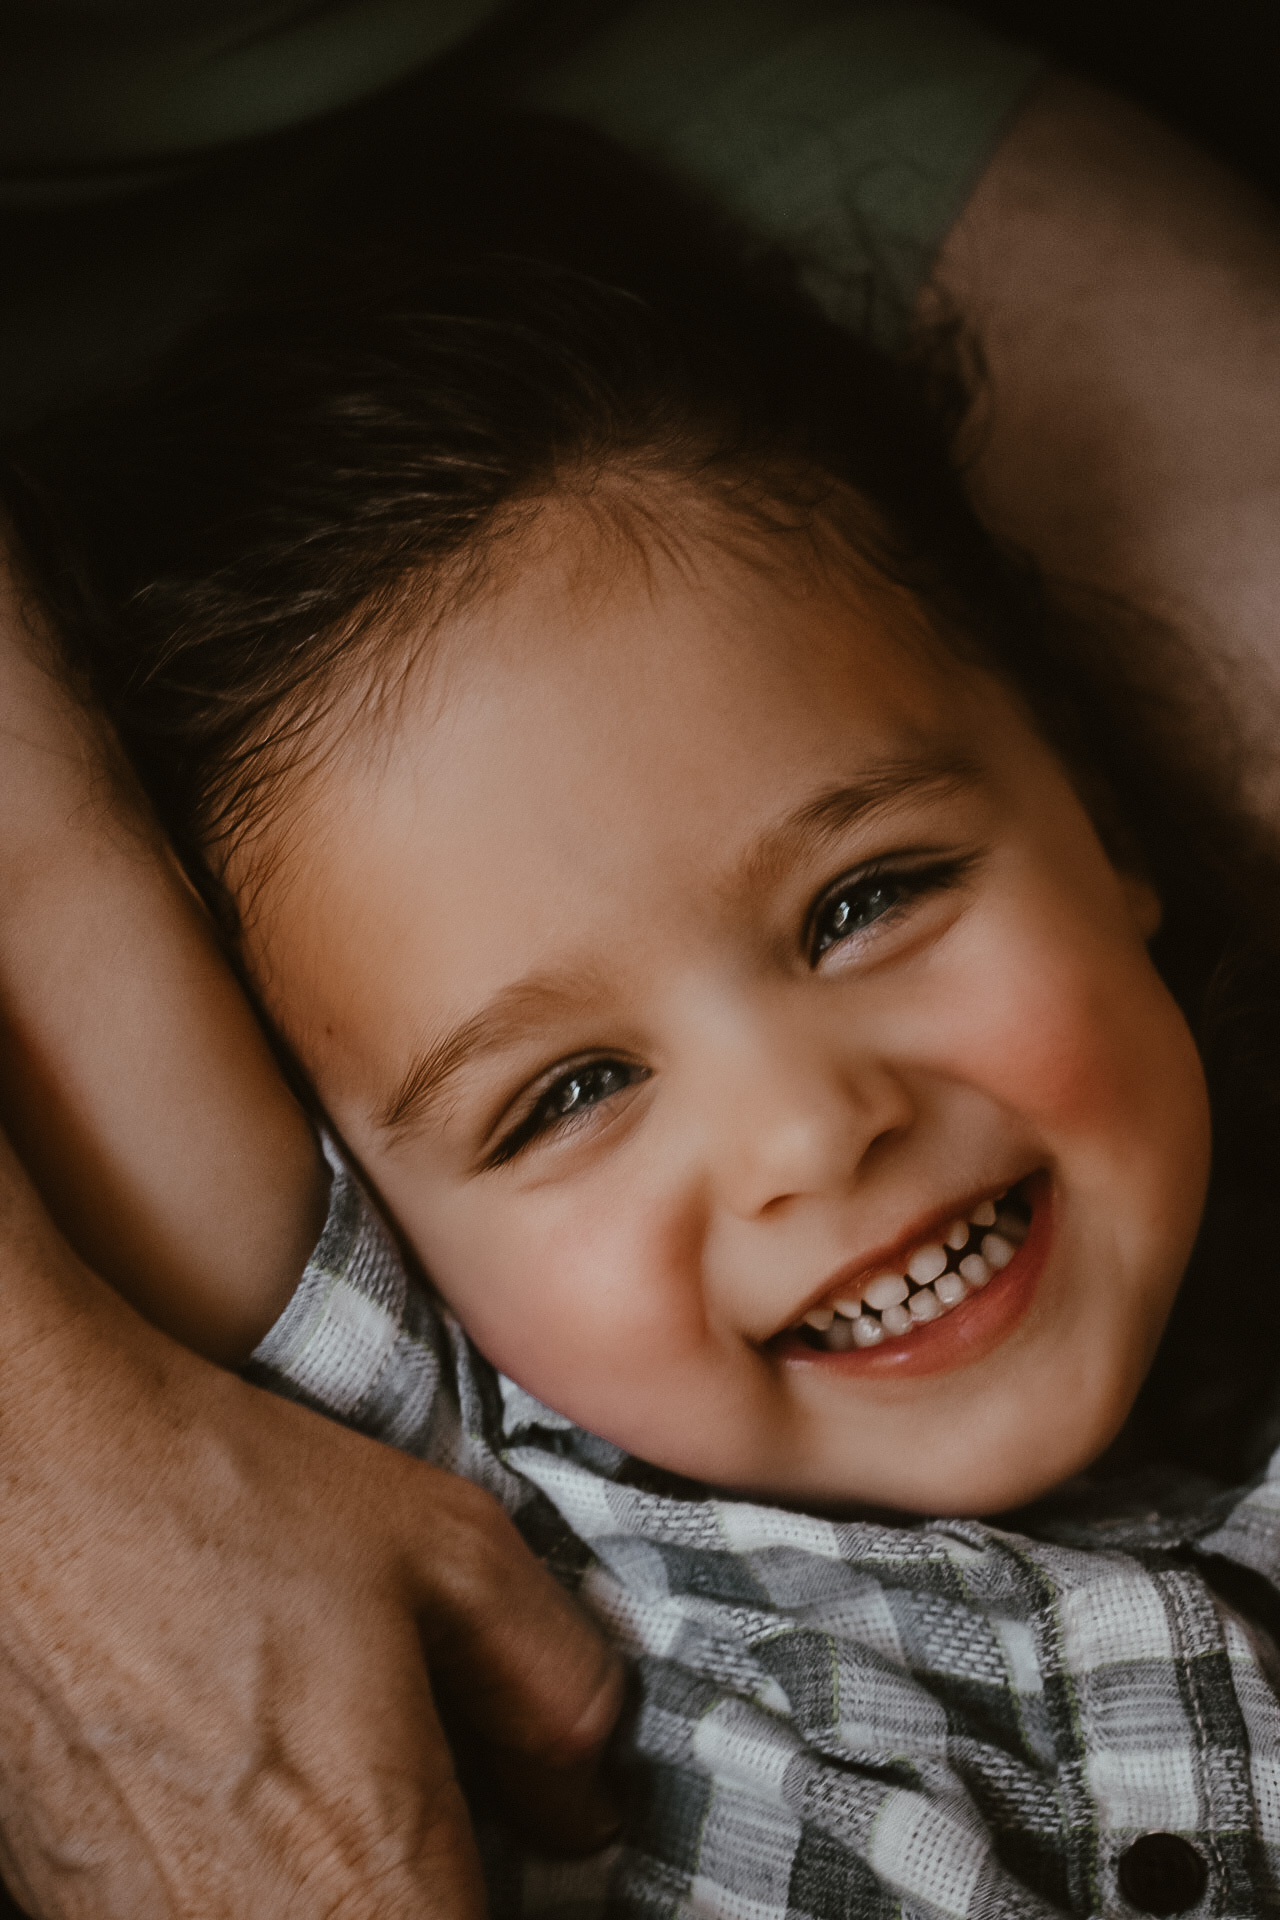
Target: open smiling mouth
{"points": [[896, 1308]]}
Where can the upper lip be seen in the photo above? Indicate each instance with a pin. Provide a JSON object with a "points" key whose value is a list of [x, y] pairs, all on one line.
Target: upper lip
{"points": [[849, 1280]]}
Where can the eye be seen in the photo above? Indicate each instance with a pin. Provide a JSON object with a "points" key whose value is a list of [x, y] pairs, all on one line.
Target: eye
{"points": [[851, 907], [568, 1098], [856, 902]]}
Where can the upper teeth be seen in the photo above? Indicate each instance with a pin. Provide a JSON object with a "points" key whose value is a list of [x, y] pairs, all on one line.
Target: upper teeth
{"points": [[936, 1278]]}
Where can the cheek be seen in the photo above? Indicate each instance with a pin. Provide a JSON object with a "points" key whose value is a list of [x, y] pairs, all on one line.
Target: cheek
{"points": [[588, 1307], [1049, 1051], [1081, 1041], [1076, 1036]]}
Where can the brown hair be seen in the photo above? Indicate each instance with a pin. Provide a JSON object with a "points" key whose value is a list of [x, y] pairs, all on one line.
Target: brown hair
{"points": [[225, 545]]}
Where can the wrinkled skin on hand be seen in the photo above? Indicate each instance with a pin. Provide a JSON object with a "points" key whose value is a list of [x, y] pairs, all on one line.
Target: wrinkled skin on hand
{"points": [[213, 1612]]}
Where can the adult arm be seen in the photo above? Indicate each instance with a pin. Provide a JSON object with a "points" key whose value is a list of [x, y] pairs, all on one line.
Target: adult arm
{"points": [[134, 1079], [1125, 292], [213, 1604], [1123, 287], [213, 1612]]}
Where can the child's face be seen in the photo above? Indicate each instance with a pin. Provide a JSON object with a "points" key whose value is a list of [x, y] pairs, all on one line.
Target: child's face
{"points": [[691, 950]]}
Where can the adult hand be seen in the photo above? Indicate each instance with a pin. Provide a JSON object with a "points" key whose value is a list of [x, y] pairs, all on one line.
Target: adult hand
{"points": [[213, 1613]]}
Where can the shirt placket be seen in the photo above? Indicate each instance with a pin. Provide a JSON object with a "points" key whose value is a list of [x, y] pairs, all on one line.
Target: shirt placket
{"points": [[1151, 1729]]}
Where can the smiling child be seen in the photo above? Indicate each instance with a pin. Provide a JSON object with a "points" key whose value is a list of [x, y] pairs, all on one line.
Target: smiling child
{"points": [[769, 979], [696, 947]]}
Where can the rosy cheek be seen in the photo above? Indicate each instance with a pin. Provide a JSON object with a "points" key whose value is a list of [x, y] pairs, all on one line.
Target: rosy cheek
{"points": [[1052, 1063], [1060, 1042], [579, 1300]]}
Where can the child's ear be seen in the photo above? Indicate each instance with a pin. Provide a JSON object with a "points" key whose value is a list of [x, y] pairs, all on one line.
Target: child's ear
{"points": [[1144, 904]]}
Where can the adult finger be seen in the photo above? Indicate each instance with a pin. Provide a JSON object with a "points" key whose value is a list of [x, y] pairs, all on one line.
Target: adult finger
{"points": [[521, 1665]]}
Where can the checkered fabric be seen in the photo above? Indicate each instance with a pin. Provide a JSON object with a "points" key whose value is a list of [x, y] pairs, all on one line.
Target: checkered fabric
{"points": [[834, 1718]]}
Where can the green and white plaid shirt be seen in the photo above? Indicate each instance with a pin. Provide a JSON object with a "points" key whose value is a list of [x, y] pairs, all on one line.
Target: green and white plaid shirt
{"points": [[834, 1718]]}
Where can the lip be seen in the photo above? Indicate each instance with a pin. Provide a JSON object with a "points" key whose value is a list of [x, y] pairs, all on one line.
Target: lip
{"points": [[966, 1334], [893, 1256]]}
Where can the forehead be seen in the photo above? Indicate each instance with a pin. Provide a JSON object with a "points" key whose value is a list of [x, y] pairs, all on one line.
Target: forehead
{"points": [[675, 655], [607, 729]]}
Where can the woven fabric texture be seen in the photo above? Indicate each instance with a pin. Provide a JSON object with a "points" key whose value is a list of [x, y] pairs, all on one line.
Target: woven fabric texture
{"points": [[834, 1718]]}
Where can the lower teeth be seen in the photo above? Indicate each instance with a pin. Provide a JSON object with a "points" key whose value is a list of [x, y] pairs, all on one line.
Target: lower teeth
{"points": [[992, 1245]]}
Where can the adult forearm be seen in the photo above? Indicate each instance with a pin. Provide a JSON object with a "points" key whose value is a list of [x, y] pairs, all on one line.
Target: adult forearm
{"points": [[1125, 291], [213, 1612], [134, 1078]]}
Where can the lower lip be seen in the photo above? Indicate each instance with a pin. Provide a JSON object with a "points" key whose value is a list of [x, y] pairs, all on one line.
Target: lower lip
{"points": [[966, 1334]]}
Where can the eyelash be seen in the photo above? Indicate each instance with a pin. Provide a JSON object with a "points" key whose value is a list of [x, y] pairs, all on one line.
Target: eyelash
{"points": [[907, 884], [538, 1121]]}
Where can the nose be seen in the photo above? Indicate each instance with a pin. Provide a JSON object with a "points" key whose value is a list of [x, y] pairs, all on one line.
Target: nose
{"points": [[789, 1115]]}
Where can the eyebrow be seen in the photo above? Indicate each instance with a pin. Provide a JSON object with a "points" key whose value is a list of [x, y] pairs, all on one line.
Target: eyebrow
{"points": [[508, 1016], [830, 812]]}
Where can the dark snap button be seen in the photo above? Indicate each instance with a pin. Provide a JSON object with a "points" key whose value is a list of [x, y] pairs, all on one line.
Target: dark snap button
{"points": [[1162, 1873]]}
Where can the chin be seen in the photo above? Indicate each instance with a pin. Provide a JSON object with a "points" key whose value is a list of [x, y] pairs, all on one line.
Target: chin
{"points": [[977, 1489]]}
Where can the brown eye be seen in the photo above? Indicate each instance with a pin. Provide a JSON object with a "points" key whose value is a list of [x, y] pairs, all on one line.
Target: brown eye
{"points": [[854, 904], [570, 1098], [852, 907], [586, 1087]]}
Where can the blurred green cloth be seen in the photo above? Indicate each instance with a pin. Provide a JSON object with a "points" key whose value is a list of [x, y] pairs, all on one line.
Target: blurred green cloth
{"points": [[146, 144]]}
